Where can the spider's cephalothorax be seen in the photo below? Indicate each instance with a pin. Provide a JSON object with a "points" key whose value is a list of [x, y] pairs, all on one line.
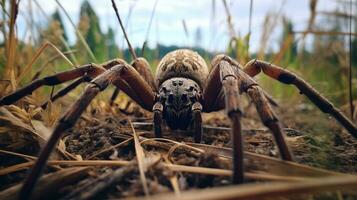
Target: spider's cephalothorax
{"points": [[177, 96]]}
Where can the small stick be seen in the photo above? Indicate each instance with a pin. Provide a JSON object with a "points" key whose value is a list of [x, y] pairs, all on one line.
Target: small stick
{"points": [[324, 32], [350, 67], [149, 27], [133, 54]]}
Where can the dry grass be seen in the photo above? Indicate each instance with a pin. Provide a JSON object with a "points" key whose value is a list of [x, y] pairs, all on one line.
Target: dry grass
{"points": [[25, 127]]}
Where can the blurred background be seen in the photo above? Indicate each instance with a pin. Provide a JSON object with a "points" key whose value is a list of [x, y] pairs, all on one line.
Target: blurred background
{"points": [[315, 39]]}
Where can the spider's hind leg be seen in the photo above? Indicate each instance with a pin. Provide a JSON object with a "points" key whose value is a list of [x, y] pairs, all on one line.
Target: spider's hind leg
{"points": [[269, 119], [254, 67]]}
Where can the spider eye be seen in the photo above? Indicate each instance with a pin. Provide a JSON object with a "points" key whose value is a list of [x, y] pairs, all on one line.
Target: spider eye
{"points": [[164, 89]]}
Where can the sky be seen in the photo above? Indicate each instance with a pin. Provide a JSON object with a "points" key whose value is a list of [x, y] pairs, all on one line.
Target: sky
{"points": [[167, 27]]}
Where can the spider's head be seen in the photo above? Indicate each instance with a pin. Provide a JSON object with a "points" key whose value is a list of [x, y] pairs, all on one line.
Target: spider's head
{"points": [[178, 95]]}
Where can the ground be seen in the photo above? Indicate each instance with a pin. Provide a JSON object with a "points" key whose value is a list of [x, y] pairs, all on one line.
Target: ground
{"points": [[106, 134]]}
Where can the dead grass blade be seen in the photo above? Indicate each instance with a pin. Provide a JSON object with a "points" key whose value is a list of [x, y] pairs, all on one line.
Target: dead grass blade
{"points": [[174, 142], [184, 25], [173, 179], [250, 23], [63, 40], [151, 160], [132, 51], [79, 34], [232, 33], [313, 5], [18, 123], [140, 155], [271, 190], [338, 14], [48, 184], [149, 27], [225, 172], [11, 45], [350, 73], [35, 57], [316, 32], [269, 164], [50, 60], [18, 154], [26, 165], [270, 23], [125, 142]]}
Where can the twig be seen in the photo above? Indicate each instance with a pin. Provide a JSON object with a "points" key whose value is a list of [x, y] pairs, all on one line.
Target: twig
{"points": [[140, 155], [37, 54], [269, 191], [338, 14], [324, 32], [350, 67], [229, 19], [133, 54], [53, 58], [250, 21], [63, 40], [11, 45], [173, 167], [18, 154], [110, 148], [149, 27], [185, 29]]}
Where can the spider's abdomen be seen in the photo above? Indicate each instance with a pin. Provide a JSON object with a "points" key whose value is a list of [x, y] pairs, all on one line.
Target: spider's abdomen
{"points": [[182, 63]]}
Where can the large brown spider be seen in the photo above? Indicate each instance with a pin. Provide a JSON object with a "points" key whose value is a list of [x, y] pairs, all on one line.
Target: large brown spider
{"points": [[182, 88]]}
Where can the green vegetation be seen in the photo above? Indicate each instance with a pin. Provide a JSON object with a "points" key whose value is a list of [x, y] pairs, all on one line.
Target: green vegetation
{"points": [[325, 65]]}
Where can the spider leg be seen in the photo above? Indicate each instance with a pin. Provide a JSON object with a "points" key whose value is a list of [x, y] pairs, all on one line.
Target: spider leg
{"points": [[116, 75], [90, 69], [197, 122], [254, 67], [157, 109], [269, 119], [222, 76], [259, 98], [114, 96], [143, 67], [67, 89]]}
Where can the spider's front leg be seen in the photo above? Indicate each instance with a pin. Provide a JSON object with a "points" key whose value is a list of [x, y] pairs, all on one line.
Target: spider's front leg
{"points": [[142, 66], [85, 70], [118, 75], [84, 73], [254, 67], [223, 76]]}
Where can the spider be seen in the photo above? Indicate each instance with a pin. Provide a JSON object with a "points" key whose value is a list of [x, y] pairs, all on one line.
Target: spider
{"points": [[181, 90]]}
